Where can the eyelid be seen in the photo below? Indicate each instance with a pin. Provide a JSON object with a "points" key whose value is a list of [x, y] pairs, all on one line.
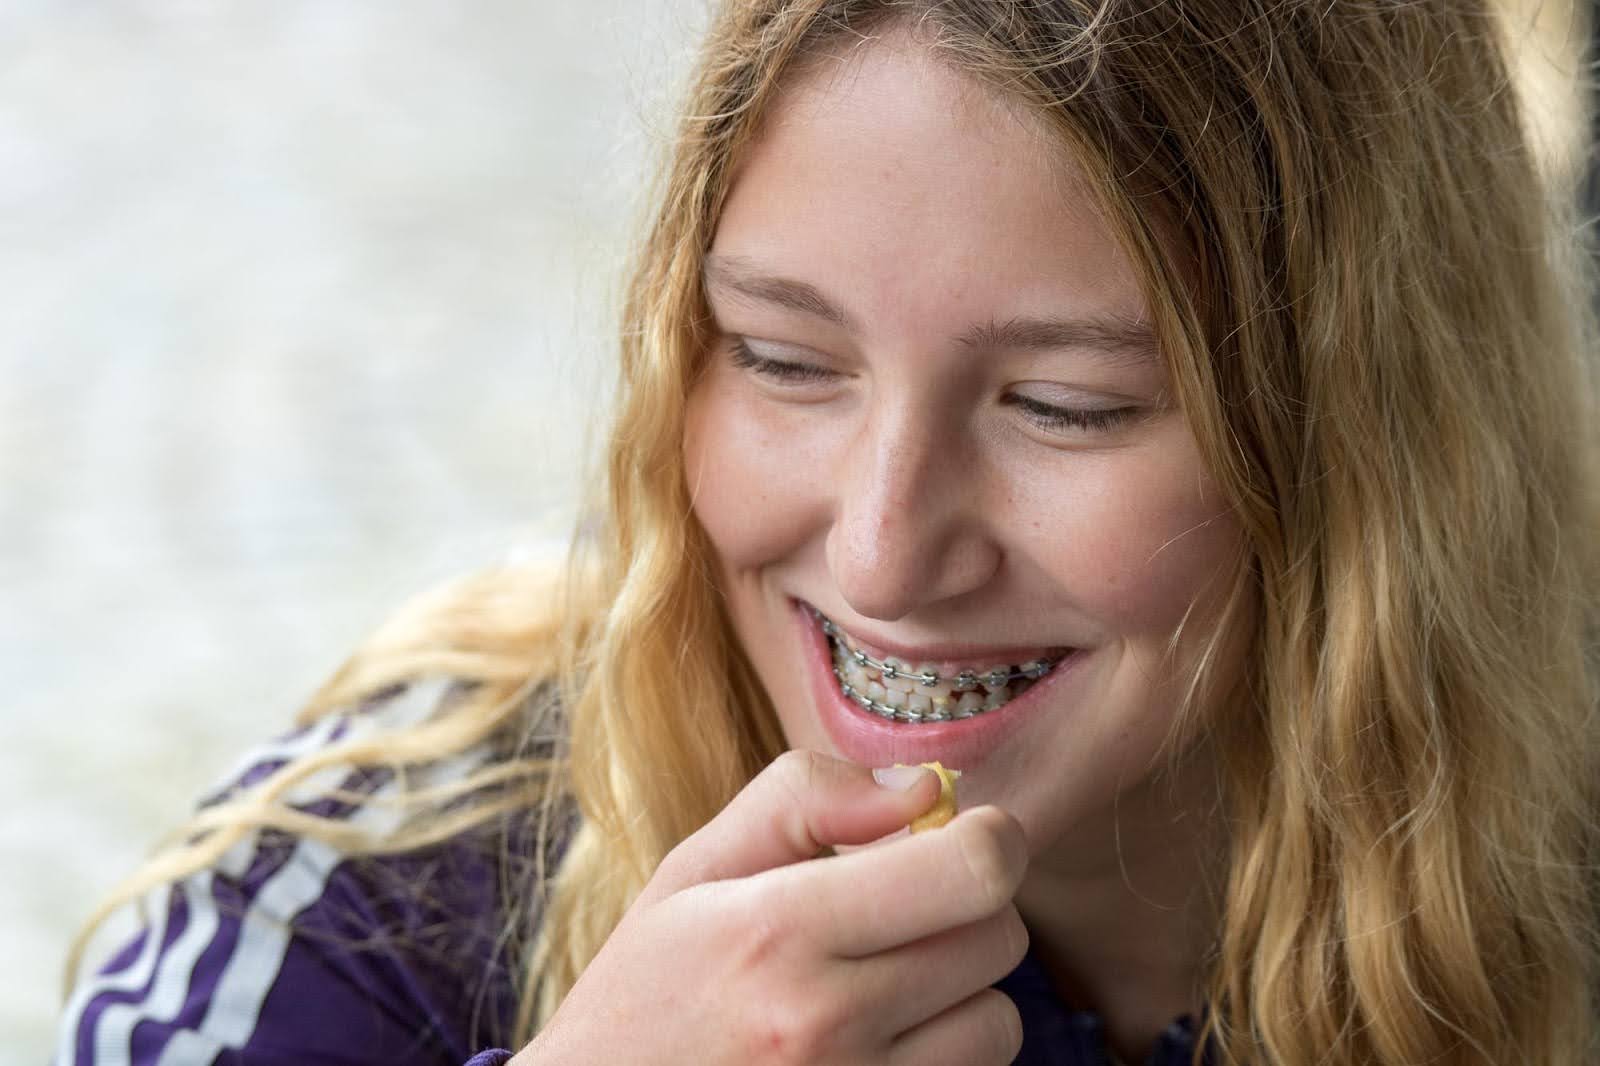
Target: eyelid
{"points": [[783, 371], [1050, 418], [1055, 419]]}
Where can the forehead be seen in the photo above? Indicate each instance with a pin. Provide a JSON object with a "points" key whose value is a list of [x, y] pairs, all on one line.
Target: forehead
{"points": [[884, 174]]}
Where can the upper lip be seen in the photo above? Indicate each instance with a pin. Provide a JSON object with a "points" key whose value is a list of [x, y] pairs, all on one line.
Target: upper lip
{"points": [[949, 654]]}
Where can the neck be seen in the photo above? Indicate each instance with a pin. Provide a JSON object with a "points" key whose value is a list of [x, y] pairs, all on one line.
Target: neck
{"points": [[1123, 912]]}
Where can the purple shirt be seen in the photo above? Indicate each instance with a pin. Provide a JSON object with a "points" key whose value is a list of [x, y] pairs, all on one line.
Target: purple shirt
{"points": [[287, 952]]}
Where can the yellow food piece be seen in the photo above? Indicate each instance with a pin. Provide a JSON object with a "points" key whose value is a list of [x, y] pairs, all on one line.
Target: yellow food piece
{"points": [[945, 808]]}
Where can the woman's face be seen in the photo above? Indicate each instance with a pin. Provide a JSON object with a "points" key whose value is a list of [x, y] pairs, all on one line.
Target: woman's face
{"points": [[935, 415]]}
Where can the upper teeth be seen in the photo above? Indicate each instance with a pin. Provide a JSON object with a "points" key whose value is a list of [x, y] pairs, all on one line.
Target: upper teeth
{"points": [[964, 681]]}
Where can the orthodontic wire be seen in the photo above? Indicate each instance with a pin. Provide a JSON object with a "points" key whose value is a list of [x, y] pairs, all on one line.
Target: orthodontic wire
{"points": [[965, 681]]}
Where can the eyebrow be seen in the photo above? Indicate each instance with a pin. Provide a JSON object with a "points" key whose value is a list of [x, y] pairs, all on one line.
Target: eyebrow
{"points": [[737, 274], [1120, 341]]}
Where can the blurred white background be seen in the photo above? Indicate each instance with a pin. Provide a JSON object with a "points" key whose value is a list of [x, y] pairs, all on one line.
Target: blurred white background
{"points": [[304, 306]]}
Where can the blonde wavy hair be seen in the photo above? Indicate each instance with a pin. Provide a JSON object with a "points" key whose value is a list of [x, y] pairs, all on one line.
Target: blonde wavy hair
{"points": [[1379, 333]]}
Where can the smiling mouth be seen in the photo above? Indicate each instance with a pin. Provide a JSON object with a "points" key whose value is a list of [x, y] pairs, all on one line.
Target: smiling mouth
{"points": [[917, 693]]}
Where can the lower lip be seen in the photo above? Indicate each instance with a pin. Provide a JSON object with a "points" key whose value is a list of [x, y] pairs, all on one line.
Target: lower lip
{"points": [[867, 739]]}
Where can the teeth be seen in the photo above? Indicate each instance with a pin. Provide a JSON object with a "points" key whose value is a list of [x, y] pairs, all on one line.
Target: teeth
{"points": [[899, 705], [899, 691]]}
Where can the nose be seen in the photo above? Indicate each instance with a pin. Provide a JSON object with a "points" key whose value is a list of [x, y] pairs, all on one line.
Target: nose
{"points": [[909, 526]]}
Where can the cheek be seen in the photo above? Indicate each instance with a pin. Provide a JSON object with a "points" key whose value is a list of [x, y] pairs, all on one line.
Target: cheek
{"points": [[1144, 540], [742, 477]]}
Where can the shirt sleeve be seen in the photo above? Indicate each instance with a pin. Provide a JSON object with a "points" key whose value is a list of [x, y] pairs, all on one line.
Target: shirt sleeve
{"points": [[288, 952]]}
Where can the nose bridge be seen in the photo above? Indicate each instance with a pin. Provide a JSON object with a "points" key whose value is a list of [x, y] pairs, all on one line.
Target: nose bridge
{"points": [[907, 530]]}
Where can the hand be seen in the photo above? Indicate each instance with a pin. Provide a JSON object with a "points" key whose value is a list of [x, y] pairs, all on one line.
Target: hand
{"points": [[746, 948]]}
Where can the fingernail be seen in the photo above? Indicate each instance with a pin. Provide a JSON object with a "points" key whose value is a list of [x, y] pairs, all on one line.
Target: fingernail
{"points": [[899, 778]]}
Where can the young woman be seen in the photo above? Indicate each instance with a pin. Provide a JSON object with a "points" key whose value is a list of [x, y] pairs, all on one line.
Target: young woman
{"points": [[1175, 416]]}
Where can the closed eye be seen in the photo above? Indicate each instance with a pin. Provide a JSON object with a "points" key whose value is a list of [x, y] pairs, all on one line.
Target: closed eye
{"points": [[1057, 419], [1048, 417], [780, 370]]}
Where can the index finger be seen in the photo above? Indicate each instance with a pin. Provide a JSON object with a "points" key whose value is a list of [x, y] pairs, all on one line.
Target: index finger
{"points": [[802, 802], [869, 901]]}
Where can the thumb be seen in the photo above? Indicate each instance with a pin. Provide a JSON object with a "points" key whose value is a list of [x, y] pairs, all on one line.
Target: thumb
{"points": [[802, 802]]}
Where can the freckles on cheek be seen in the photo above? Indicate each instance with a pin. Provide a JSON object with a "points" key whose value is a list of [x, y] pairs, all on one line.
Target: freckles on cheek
{"points": [[1149, 550]]}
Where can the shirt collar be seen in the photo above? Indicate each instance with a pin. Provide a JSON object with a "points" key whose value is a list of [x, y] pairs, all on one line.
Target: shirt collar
{"points": [[1054, 1034]]}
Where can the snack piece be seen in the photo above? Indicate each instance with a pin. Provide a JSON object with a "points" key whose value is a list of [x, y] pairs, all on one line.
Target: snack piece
{"points": [[945, 808]]}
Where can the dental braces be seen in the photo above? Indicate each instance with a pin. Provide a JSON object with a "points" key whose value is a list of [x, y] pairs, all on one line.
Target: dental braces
{"points": [[902, 714], [965, 681]]}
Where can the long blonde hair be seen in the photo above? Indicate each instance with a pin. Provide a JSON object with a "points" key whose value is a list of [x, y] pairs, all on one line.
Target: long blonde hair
{"points": [[1377, 328]]}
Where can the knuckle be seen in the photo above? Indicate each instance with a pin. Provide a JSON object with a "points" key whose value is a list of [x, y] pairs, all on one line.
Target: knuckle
{"points": [[795, 775], [686, 864], [989, 866], [830, 1017], [789, 1030], [796, 765], [763, 972], [674, 868], [1016, 934], [679, 859], [1005, 1024], [792, 786], [762, 944], [758, 926]]}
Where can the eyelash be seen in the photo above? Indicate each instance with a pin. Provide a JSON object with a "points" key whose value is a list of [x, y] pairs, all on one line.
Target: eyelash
{"points": [[1046, 416], [1043, 415], [777, 369]]}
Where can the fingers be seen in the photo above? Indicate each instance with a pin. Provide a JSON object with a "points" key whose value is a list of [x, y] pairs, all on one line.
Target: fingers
{"points": [[870, 901], [913, 982], [801, 803], [984, 1030], [889, 947]]}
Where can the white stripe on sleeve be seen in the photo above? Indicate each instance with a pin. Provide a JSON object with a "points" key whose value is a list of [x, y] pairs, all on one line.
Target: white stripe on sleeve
{"points": [[248, 975], [314, 736], [114, 1028], [129, 979], [252, 971]]}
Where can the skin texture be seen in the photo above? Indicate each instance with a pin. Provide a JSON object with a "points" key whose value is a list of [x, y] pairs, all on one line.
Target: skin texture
{"points": [[744, 948], [904, 492]]}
